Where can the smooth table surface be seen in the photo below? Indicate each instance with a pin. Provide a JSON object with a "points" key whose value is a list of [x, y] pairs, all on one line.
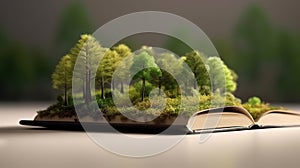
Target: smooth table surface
{"points": [[26, 147]]}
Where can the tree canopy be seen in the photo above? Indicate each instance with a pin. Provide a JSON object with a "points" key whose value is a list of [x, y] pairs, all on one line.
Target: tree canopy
{"points": [[146, 68], [222, 78], [62, 77], [87, 52], [196, 61]]}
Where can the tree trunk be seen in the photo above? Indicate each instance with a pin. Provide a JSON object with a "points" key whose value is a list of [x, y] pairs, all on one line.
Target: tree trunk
{"points": [[83, 90], [102, 88], [66, 95], [143, 88], [88, 95], [122, 87], [65, 86], [159, 86], [112, 84]]}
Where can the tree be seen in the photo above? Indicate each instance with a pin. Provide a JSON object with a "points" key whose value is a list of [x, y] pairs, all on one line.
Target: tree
{"points": [[106, 69], [164, 61], [221, 76], [171, 67], [87, 52], [286, 85], [146, 68], [255, 39], [195, 61], [123, 51], [75, 20], [62, 77]]}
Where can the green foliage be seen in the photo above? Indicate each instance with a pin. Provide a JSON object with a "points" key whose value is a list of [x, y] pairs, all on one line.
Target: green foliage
{"points": [[122, 64], [58, 110], [103, 103], [62, 77], [123, 50], [286, 85], [256, 40], [149, 73], [106, 69], [256, 107], [145, 62], [24, 71], [254, 101], [135, 90], [257, 110], [108, 65], [221, 76], [87, 52], [231, 100], [263, 54], [171, 67], [146, 68], [75, 20], [196, 61]]}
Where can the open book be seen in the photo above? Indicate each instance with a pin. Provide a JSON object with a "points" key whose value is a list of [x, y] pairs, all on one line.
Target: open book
{"points": [[238, 118]]}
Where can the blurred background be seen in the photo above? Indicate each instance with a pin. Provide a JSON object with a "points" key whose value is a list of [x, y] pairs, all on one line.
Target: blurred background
{"points": [[258, 39]]}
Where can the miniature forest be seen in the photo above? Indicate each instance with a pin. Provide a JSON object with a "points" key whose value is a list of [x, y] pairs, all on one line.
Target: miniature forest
{"points": [[144, 101]]}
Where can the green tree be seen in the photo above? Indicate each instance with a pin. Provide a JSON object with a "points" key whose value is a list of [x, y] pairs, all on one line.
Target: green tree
{"points": [[195, 61], [106, 69], [166, 80], [221, 76], [62, 77], [75, 20], [288, 86], [171, 67], [87, 52], [123, 51], [146, 68], [255, 39], [254, 101]]}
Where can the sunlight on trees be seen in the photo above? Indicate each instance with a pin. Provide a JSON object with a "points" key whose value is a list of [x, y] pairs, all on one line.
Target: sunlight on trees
{"points": [[62, 77], [87, 51]]}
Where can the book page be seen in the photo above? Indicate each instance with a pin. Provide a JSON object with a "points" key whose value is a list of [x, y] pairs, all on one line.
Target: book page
{"points": [[280, 118], [220, 118]]}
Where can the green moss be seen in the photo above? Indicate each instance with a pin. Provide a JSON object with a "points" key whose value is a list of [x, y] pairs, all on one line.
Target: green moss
{"points": [[174, 106], [59, 110], [256, 107]]}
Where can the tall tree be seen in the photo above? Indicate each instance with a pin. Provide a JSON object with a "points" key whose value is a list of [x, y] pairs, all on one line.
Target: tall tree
{"points": [[146, 68], [171, 67], [75, 20], [123, 51], [255, 39], [222, 78], [106, 69], [62, 77], [195, 61], [87, 52]]}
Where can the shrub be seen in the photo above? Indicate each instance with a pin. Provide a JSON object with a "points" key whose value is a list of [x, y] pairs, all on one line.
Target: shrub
{"points": [[254, 101]]}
